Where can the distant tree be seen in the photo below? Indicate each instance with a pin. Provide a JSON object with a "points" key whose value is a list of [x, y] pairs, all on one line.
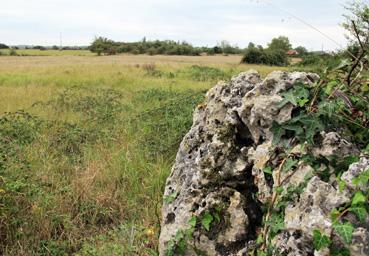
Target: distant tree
{"points": [[281, 43], [251, 45], [55, 47], [217, 50], [103, 45], [3, 46], [301, 50], [266, 57]]}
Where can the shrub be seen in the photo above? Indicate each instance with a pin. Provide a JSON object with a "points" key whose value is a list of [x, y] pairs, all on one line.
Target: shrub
{"points": [[12, 52], [267, 57]]}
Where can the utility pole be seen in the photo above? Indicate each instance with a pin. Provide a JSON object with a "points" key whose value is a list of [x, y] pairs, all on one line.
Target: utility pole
{"points": [[61, 42]]}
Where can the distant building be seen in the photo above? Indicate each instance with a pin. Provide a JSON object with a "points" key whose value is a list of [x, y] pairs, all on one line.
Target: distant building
{"points": [[292, 53]]}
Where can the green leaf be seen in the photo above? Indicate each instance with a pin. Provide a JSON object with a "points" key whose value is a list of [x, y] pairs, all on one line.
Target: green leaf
{"points": [[329, 87], [359, 211], [341, 185], [279, 190], [268, 170], [358, 198], [170, 198], [344, 230], [217, 217], [295, 95], [320, 241], [302, 102], [261, 253], [206, 220], [192, 221], [339, 251], [363, 178], [277, 131], [289, 164]]}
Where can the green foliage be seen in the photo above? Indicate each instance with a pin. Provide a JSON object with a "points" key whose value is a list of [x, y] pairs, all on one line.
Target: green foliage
{"points": [[363, 178], [13, 52], [3, 46], [281, 43], [360, 211], [320, 240], [162, 128], [297, 96], [168, 47], [338, 251], [204, 73], [103, 45], [267, 57], [358, 198], [274, 55], [206, 220], [178, 244], [344, 230], [303, 126], [170, 198], [276, 224]]}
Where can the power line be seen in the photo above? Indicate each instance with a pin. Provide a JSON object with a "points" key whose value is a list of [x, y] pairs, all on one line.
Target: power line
{"points": [[304, 22]]}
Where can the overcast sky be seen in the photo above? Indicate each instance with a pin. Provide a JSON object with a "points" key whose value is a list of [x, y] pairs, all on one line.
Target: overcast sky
{"points": [[200, 22]]}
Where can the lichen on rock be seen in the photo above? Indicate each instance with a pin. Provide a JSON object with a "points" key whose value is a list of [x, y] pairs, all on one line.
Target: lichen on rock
{"points": [[219, 175]]}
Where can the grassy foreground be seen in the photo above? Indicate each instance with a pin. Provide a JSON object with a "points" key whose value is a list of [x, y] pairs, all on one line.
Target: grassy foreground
{"points": [[86, 144]]}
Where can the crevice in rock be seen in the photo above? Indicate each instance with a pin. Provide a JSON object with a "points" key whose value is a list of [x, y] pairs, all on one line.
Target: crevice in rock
{"points": [[252, 208], [243, 136]]}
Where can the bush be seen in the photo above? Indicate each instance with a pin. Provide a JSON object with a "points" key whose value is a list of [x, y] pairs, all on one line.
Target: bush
{"points": [[268, 57], [12, 52]]}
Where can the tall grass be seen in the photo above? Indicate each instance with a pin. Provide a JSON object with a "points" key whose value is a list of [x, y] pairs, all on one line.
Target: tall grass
{"points": [[83, 165]]}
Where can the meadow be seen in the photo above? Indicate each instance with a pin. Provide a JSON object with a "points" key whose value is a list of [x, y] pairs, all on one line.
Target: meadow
{"points": [[87, 142]]}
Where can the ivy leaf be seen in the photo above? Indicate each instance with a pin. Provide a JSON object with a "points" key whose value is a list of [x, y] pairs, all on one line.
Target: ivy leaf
{"points": [[289, 164], [277, 131], [310, 123], [358, 198], [302, 102], [320, 241], [344, 230], [295, 95], [363, 178], [268, 170], [206, 221], [276, 224], [170, 198], [359, 211], [192, 221], [335, 213]]}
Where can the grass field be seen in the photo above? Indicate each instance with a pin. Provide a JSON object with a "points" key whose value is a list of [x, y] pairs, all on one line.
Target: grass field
{"points": [[86, 144], [37, 52]]}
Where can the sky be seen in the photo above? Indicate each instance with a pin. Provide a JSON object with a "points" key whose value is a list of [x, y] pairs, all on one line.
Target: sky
{"points": [[200, 22]]}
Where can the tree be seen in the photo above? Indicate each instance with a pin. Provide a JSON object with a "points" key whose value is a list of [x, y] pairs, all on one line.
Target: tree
{"points": [[251, 45], [103, 45], [3, 46], [301, 50], [281, 43]]}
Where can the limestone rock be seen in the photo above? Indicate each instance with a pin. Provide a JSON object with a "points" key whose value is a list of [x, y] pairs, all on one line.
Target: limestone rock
{"points": [[218, 177]]}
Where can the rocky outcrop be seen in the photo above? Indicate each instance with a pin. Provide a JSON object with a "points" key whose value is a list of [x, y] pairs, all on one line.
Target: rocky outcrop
{"points": [[218, 191]]}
